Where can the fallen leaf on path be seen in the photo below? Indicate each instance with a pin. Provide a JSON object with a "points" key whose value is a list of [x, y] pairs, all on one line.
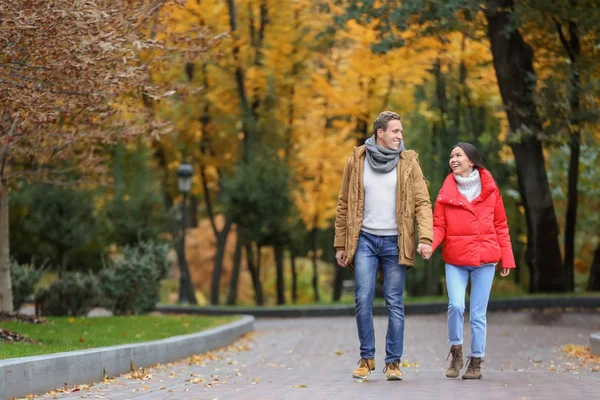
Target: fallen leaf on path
{"points": [[406, 364], [583, 354], [300, 386]]}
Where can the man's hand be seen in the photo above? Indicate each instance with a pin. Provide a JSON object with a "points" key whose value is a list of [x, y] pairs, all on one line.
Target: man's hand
{"points": [[425, 251], [340, 257], [504, 272]]}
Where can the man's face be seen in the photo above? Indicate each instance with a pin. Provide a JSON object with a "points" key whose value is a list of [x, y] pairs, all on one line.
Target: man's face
{"points": [[392, 136]]}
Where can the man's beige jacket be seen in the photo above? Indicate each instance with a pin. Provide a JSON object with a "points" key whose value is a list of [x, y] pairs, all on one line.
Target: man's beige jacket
{"points": [[412, 202]]}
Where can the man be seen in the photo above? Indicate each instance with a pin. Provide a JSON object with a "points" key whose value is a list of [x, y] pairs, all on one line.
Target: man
{"points": [[383, 192]]}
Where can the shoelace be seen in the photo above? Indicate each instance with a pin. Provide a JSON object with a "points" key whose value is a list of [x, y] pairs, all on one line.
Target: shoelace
{"points": [[453, 364], [394, 365], [469, 363], [470, 366]]}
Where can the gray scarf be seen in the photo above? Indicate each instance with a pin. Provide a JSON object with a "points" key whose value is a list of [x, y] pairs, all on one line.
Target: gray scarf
{"points": [[382, 159]]}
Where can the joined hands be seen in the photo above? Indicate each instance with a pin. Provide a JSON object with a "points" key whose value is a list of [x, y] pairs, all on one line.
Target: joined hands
{"points": [[425, 251]]}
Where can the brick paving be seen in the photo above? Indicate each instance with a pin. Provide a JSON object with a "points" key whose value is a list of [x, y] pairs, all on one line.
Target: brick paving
{"points": [[312, 358]]}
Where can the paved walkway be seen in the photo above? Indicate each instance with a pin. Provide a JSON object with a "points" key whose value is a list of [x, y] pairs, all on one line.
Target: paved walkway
{"points": [[313, 359]]}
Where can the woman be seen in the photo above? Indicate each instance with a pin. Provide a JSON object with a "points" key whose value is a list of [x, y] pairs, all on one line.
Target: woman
{"points": [[469, 218]]}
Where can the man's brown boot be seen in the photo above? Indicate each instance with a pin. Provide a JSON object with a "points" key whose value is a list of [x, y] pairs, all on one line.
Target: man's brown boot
{"points": [[365, 367], [473, 368], [457, 361], [392, 371]]}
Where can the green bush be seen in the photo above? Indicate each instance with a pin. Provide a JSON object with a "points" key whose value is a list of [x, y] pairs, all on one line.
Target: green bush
{"points": [[24, 277], [73, 294], [131, 283]]}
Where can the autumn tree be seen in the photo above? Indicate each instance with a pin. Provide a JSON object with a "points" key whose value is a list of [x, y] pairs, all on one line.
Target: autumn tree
{"points": [[68, 73], [564, 34], [513, 64]]}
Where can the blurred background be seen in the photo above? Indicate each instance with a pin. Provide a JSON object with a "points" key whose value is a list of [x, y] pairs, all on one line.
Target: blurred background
{"points": [[215, 133]]}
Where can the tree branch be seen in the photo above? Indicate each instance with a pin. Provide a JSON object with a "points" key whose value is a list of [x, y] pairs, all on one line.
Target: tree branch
{"points": [[563, 39]]}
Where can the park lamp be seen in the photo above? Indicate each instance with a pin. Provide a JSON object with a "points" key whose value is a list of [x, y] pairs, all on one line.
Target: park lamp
{"points": [[184, 177]]}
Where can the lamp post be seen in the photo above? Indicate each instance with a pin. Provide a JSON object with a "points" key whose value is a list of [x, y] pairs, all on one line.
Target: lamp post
{"points": [[186, 289]]}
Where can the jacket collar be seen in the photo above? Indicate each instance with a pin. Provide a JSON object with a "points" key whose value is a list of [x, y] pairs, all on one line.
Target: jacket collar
{"points": [[450, 191]]}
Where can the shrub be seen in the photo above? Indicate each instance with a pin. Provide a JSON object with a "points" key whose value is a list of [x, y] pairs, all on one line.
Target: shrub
{"points": [[24, 277], [131, 283], [73, 294]]}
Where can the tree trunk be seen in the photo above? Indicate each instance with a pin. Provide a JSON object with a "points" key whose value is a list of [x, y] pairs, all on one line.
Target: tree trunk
{"points": [[338, 283], [571, 217], [594, 280], [518, 250], [573, 49], [248, 119], [215, 285], [235, 274], [255, 274], [294, 275], [315, 279], [64, 262], [516, 80], [278, 252], [6, 296]]}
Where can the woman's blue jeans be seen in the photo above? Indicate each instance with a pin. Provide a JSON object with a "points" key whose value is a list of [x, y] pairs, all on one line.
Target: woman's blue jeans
{"points": [[481, 286], [373, 251]]}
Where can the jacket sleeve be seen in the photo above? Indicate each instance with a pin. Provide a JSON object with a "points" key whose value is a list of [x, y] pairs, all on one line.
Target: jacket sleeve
{"points": [[339, 241], [422, 205], [439, 224], [502, 233]]}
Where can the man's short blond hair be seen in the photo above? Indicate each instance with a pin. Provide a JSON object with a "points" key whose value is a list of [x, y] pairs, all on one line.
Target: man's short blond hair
{"points": [[382, 120]]}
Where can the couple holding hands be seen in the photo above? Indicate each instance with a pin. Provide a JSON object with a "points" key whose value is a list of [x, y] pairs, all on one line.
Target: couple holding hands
{"points": [[383, 193]]}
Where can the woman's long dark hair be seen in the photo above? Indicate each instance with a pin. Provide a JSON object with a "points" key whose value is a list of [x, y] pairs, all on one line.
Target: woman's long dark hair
{"points": [[471, 152]]}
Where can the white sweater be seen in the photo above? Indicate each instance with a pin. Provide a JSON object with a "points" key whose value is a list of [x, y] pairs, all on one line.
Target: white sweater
{"points": [[380, 202], [470, 186]]}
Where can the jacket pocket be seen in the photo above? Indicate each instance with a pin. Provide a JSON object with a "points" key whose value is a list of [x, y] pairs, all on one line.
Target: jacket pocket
{"points": [[408, 242], [409, 249]]}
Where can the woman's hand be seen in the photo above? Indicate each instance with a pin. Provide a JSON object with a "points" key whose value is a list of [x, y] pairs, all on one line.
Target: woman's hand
{"points": [[504, 272]]}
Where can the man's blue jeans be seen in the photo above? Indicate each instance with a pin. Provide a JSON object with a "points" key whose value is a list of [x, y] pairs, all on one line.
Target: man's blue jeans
{"points": [[481, 286], [371, 252]]}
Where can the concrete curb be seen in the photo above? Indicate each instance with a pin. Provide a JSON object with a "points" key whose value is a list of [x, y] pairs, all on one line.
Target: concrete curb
{"points": [[39, 374], [339, 310], [595, 344]]}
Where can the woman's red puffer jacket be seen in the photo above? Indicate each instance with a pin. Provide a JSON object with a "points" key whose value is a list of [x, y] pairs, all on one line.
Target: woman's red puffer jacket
{"points": [[473, 233]]}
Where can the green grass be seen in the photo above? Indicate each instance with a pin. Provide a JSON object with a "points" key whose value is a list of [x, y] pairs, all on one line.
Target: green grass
{"points": [[68, 334]]}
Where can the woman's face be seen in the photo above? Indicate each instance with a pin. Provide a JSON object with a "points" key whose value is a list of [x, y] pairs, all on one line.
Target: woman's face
{"points": [[460, 163]]}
